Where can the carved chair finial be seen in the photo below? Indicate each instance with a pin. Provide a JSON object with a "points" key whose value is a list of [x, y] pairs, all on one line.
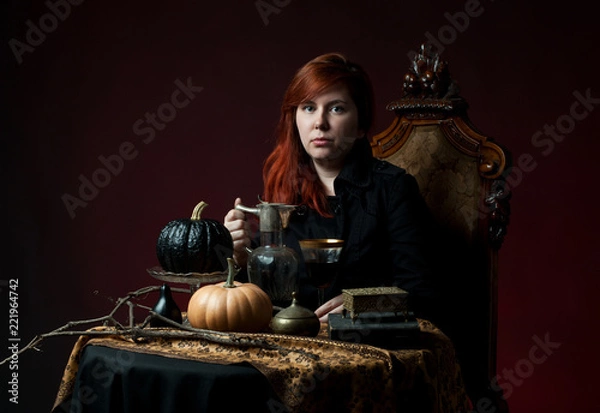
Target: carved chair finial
{"points": [[428, 77], [428, 90]]}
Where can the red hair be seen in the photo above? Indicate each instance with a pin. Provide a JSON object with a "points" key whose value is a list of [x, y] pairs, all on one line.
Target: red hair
{"points": [[288, 173]]}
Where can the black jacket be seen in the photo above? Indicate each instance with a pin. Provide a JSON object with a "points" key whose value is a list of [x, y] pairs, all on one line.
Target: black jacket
{"points": [[385, 223]]}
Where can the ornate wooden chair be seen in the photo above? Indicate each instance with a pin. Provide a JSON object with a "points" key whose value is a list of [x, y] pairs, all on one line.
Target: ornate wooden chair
{"points": [[460, 172]]}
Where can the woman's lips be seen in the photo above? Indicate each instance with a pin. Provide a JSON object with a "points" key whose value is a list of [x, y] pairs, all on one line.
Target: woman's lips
{"points": [[321, 141]]}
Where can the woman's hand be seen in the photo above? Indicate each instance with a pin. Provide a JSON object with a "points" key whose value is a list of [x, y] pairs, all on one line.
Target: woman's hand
{"points": [[333, 306], [235, 221]]}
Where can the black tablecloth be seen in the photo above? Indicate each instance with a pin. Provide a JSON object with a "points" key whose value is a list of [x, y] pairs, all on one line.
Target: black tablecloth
{"points": [[169, 370], [119, 381]]}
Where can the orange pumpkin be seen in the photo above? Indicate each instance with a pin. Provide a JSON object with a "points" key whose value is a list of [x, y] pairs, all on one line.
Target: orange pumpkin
{"points": [[230, 306]]}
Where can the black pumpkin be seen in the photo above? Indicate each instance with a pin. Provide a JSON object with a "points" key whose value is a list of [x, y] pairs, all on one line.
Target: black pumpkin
{"points": [[194, 244]]}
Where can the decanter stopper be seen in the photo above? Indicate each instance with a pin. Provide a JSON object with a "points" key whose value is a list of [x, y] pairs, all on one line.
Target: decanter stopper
{"points": [[166, 307]]}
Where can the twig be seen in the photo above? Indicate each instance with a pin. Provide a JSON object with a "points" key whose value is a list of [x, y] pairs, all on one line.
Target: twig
{"points": [[139, 332]]}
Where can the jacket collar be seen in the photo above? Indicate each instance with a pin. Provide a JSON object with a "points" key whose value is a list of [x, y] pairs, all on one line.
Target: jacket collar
{"points": [[356, 173]]}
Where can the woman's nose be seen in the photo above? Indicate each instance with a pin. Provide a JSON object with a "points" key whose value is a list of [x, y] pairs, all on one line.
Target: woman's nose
{"points": [[321, 122]]}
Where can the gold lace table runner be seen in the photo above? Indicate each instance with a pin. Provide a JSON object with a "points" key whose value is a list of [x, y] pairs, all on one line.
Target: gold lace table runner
{"points": [[306, 372]]}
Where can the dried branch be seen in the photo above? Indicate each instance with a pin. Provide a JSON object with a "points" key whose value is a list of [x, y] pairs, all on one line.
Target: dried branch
{"points": [[139, 332]]}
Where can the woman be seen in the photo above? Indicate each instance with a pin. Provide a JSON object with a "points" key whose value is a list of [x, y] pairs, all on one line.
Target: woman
{"points": [[322, 162]]}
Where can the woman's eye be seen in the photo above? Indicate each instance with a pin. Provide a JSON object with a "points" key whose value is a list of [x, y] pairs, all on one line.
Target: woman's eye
{"points": [[337, 109], [308, 108]]}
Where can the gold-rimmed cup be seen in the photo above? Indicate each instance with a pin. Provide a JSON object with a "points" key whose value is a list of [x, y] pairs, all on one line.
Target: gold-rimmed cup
{"points": [[321, 257]]}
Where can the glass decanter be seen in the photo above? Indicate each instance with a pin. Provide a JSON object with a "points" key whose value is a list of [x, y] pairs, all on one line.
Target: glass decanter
{"points": [[273, 266]]}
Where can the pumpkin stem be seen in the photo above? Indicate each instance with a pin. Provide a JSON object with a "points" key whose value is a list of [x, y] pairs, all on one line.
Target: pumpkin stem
{"points": [[232, 273], [196, 214]]}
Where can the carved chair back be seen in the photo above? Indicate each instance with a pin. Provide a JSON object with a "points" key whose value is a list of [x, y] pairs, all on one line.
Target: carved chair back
{"points": [[460, 174]]}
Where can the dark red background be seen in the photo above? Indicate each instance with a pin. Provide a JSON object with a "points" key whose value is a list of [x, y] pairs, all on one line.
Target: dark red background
{"points": [[78, 94]]}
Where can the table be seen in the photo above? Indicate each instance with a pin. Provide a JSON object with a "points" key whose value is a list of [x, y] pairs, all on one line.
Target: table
{"points": [[260, 372]]}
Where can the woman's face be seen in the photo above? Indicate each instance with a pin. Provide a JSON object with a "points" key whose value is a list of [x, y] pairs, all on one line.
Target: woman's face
{"points": [[328, 126]]}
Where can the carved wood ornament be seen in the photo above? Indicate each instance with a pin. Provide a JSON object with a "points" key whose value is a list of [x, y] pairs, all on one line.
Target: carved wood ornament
{"points": [[431, 97], [460, 173]]}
